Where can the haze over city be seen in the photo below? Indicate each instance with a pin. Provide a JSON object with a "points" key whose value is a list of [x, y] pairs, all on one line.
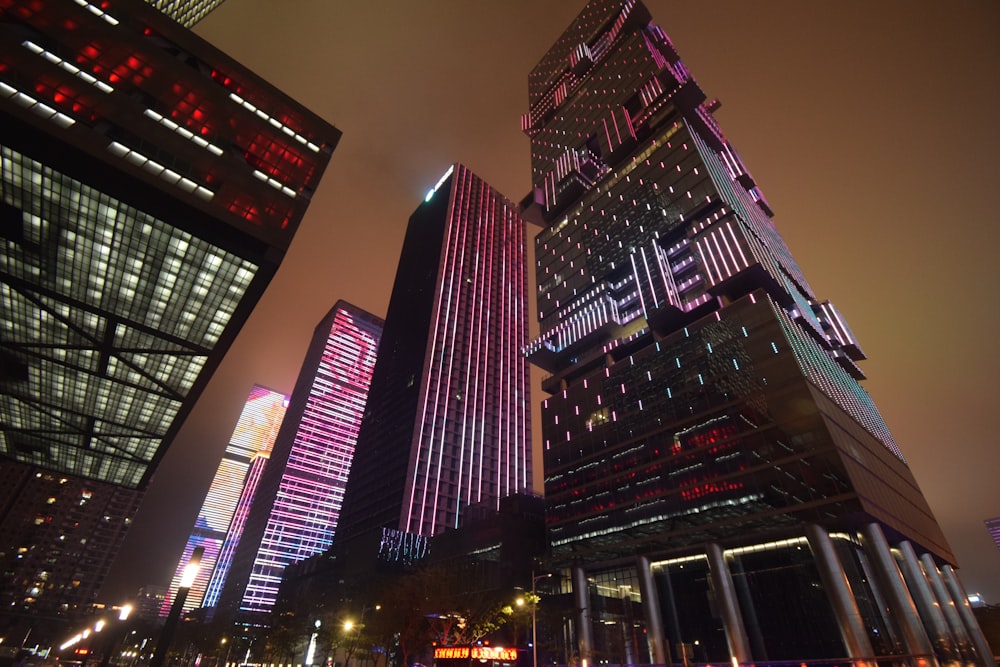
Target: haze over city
{"points": [[869, 129]]}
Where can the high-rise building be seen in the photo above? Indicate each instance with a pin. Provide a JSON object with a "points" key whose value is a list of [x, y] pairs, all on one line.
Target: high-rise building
{"points": [[150, 188], [217, 523], [59, 535], [295, 510], [993, 526], [186, 12], [716, 479], [448, 422]]}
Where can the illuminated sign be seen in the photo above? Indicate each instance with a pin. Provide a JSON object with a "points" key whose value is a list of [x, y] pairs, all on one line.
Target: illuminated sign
{"points": [[475, 653]]}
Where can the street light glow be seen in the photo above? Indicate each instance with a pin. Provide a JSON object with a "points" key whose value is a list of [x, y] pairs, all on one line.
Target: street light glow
{"points": [[190, 572]]}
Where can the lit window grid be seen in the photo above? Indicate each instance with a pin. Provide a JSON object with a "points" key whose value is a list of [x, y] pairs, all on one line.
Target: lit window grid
{"points": [[131, 62], [257, 426], [304, 515], [223, 493], [121, 260], [476, 397], [646, 195], [122, 264], [235, 532], [186, 13], [768, 249]]}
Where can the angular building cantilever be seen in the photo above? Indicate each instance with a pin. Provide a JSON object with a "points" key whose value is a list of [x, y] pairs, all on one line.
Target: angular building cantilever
{"points": [[151, 186]]}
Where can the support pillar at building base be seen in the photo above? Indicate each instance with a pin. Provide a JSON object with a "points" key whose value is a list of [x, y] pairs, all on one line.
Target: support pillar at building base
{"points": [[838, 590]]}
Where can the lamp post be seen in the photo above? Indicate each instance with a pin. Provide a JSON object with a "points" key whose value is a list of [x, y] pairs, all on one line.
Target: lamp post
{"points": [[534, 608], [112, 644], [350, 625], [170, 626], [229, 647], [311, 649]]}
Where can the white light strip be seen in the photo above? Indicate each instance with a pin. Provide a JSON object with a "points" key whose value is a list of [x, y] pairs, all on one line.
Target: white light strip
{"points": [[40, 108], [69, 67], [276, 123], [183, 131], [97, 11], [277, 185], [430, 193], [157, 169]]}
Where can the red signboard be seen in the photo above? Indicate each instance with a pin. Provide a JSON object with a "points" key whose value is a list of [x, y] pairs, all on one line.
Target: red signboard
{"points": [[475, 653]]}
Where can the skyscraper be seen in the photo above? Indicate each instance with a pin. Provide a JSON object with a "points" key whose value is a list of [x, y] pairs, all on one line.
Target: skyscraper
{"points": [[993, 526], [59, 535], [715, 476], [448, 422], [186, 12], [246, 453], [150, 188], [295, 510]]}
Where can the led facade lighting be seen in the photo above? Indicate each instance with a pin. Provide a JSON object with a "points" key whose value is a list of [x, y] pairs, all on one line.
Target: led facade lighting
{"points": [[448, 422], [154, 250], [704, 410], [296, 506], [134, 247], [251, 441]]}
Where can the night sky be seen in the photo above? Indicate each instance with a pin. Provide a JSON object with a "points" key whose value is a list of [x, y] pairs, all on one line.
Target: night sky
{"points": [[870, 127]]}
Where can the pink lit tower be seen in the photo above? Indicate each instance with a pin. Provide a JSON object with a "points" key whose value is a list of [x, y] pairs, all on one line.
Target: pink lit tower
{"points": [[247, 451], [448, 421], [295, 510]]}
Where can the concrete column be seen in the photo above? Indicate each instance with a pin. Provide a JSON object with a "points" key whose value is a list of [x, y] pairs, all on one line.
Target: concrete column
{"points": [[984, 654], [758, 647], [669, 605], [891, 583], [729, 607], [651, 610], [948, 607], [930, 612], [584, 629], [628, 625], [838, 589]]}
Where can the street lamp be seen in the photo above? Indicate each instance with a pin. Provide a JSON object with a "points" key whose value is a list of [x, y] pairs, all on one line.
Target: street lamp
{"points": [[167, 634], [229, 647], [534, 607], [111, 645], [311, 649], [350, 625]]}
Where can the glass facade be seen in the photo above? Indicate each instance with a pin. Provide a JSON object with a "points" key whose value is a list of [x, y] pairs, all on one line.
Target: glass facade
{"points": [[114, 306], [251, 441], [134, 246], [186, 12], [448, 422], [704, 410], [291, 507], [149, 189]]}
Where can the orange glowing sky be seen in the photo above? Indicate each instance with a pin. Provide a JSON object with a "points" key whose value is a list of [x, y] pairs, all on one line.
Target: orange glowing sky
{"points": [[870, 127]]}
